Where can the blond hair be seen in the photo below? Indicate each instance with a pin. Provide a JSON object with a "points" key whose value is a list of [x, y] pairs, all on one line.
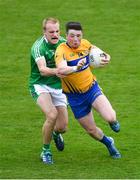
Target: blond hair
{"points": [[50, 19]]}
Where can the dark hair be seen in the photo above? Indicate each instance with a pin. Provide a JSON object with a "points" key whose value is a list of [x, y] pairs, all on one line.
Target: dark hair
{"points": [[73, 25]]}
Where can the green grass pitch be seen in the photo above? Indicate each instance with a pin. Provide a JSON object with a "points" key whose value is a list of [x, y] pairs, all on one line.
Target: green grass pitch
{"points": [[111, 25]]}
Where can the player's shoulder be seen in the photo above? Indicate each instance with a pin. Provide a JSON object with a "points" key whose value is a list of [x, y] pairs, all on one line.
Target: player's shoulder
{"points": [[62, 39], [85, 41], [38, 43], [62, 45], [61, 42], [86, 44], [62, 48]]}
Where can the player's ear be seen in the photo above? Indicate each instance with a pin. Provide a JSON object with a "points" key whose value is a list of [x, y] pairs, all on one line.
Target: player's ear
{"points": [[66, 35]]}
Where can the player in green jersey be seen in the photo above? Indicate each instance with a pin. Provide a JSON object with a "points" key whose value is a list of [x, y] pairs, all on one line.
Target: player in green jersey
{"points": [[45, 87]]}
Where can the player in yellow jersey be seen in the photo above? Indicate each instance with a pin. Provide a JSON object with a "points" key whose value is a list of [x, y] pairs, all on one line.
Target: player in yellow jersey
{"points": [[81, 87]]}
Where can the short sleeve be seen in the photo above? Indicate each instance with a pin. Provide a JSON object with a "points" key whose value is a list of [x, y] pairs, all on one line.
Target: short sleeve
{"points": [[87, 43], [37, 52]]}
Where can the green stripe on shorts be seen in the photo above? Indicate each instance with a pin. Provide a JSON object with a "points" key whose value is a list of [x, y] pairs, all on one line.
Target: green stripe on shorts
{"points": [[33, 93]]}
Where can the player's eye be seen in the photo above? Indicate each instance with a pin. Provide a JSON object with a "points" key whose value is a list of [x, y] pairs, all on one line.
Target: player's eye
{"points": [[51, 32], [72, 36], [78, 35]]}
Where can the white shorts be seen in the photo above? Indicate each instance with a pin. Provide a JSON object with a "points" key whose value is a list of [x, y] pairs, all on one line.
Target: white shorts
{"points": [[58, 98]]}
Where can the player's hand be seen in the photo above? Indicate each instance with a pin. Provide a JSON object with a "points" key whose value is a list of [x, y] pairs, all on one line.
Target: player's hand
{"points": [[60, 74], [105, 60], [81, 63]]}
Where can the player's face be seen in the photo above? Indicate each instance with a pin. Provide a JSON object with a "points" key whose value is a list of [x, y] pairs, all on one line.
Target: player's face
{"points": [[74, 38], [52, 32]]}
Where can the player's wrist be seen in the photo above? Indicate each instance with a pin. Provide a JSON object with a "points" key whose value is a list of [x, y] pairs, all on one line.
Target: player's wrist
{"points": [[54, 71], [74, 69]]}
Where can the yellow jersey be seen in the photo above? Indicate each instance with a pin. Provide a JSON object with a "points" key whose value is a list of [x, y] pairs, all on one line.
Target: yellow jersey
{"points": [[82, 80]]}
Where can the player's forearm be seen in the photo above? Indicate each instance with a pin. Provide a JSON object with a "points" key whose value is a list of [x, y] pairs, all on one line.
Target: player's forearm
{"points": [[67, 70], [45, 71]]}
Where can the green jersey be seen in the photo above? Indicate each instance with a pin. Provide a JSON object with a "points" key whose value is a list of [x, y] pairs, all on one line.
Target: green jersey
{"points": [[42, 48]]}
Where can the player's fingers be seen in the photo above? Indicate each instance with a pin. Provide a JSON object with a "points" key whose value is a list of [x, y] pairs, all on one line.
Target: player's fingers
{"points": [[105, 61]]}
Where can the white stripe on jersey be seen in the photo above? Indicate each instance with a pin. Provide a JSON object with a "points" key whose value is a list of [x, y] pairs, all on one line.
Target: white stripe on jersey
{"points": [[38, 58], [36, 48]]}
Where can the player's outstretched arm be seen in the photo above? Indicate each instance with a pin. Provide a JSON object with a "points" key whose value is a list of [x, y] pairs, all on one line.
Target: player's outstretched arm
{"points": [[44, 70], [64, 69]]}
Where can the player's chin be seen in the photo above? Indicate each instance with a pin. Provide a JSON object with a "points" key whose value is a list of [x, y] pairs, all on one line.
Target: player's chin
{"points": [[54, 41], [75, 46]]}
